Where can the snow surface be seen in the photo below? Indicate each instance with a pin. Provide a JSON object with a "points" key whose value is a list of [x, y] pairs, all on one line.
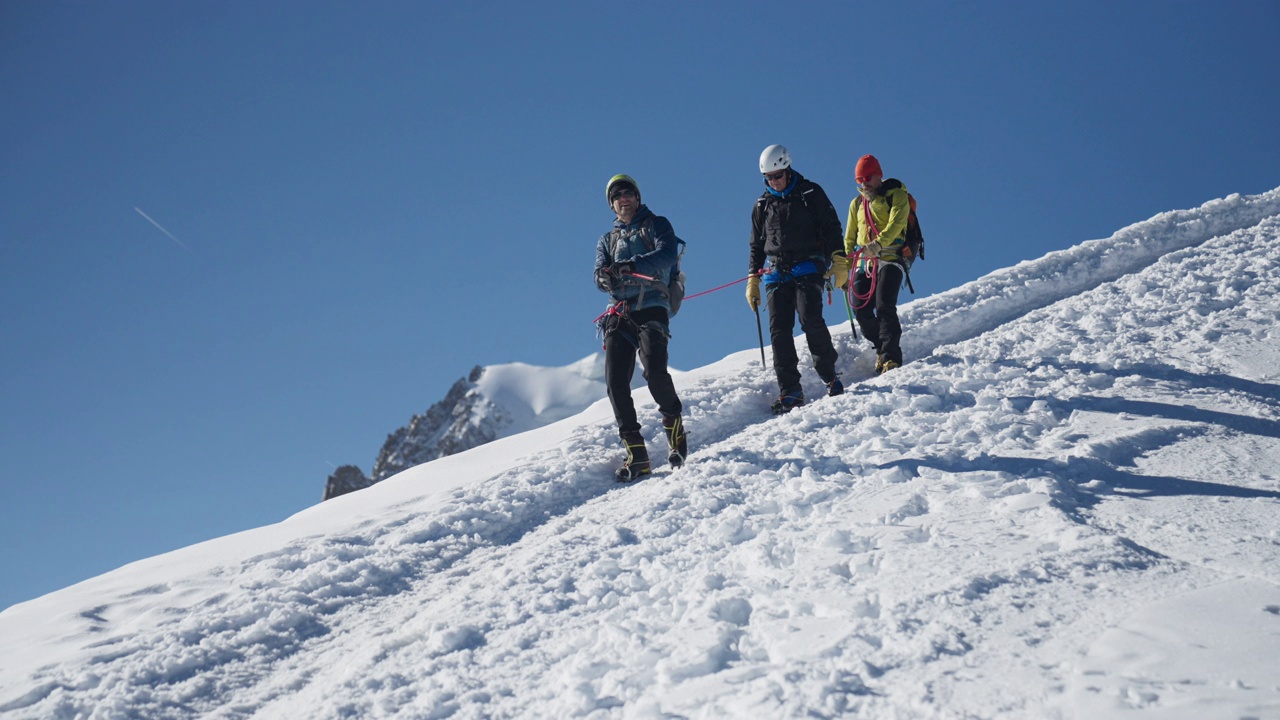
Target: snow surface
{"points": [[1064, 506]]}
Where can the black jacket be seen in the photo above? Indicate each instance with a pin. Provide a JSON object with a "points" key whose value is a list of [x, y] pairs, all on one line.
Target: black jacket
{"points": [[800, 226]]}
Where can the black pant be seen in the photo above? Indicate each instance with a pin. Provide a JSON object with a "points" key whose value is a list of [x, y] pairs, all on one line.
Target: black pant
{"points": [[799, 296], [643, 332], [878, 318]]}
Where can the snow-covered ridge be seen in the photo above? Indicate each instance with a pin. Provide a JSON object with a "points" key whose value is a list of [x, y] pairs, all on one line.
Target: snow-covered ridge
{"points": [[534, 396], [1063, 506]]}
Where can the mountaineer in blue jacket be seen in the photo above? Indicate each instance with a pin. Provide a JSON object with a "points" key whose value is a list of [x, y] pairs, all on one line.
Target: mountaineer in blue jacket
{"points": [[634, 264]]}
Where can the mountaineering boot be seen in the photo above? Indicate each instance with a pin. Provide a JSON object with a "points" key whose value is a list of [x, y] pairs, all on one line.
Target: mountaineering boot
{"points": [[673, 428], [889, 365], [879, 364], [637, 462], [835, 387], [787, 402]]}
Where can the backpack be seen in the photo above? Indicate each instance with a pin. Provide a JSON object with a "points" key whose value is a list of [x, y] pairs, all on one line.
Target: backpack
{"points": [[914, 246], [675, 288]]}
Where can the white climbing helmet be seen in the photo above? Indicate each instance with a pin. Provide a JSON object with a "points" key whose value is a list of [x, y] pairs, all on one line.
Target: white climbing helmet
{"points": [[774, 158]]}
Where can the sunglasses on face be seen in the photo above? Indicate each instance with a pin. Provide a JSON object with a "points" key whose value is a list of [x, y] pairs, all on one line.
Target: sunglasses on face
{"points": [[621, 192], [775, 175]]}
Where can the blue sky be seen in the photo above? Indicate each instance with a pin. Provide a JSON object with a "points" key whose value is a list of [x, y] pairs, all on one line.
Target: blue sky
{"points": [[351, 204]]}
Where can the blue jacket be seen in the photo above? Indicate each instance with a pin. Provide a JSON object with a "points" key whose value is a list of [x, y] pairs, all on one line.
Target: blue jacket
{"points": [[653, 247]]}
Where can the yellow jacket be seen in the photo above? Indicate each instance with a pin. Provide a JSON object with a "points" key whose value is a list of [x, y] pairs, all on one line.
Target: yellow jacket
{"points": [[889, 211]]}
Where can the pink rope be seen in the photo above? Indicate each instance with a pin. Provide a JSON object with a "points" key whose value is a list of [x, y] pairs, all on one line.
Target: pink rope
{"points": [[613, 310], [708, 292], [873, 232], [698, 294], [873, 263], [616, 309], [873, 267]]}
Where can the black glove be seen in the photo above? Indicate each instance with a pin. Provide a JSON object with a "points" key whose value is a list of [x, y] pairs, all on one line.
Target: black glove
{"points": [[603, 280], [626, 267]]}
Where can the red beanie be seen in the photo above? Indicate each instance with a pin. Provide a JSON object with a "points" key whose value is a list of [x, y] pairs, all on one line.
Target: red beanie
{"points": [[868, 165]]}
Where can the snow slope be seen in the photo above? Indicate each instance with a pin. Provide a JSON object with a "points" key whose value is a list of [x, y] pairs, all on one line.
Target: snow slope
{"points": [[1064, 507]]}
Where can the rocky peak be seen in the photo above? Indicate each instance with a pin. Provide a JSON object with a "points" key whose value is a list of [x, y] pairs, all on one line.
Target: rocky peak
{"points": [[489, 403]]}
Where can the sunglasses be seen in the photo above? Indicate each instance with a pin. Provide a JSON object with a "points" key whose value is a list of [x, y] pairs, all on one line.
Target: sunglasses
{"points": [[621, 192], [775, 175]]}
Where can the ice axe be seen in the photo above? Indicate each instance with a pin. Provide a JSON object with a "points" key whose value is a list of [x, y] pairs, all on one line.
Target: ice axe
{"points": [[760, 332]]}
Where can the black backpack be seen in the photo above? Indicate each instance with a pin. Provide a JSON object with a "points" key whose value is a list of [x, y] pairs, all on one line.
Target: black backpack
{"points": [[673, 289], [913, 247]]}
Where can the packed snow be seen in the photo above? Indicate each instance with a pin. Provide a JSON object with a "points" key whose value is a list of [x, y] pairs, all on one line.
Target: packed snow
{"points": [[1066, 505]]}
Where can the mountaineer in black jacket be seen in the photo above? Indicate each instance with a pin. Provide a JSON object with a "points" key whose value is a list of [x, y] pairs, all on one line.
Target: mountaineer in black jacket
{"points": [[795, 227]]}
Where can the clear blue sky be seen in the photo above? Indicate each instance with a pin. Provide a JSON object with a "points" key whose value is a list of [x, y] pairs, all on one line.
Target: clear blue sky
{"points": [[361, 201]]}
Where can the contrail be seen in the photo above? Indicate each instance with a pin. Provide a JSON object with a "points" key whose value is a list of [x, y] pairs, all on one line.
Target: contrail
{"points": [[161, 229]]}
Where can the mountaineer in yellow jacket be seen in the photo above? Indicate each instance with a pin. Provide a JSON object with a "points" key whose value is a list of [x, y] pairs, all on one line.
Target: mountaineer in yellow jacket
{"points": [[877, 227]]}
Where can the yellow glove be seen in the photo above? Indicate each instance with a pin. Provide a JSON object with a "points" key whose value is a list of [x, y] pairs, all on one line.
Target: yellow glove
{"points": [[753, 291], [839, 272]]}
